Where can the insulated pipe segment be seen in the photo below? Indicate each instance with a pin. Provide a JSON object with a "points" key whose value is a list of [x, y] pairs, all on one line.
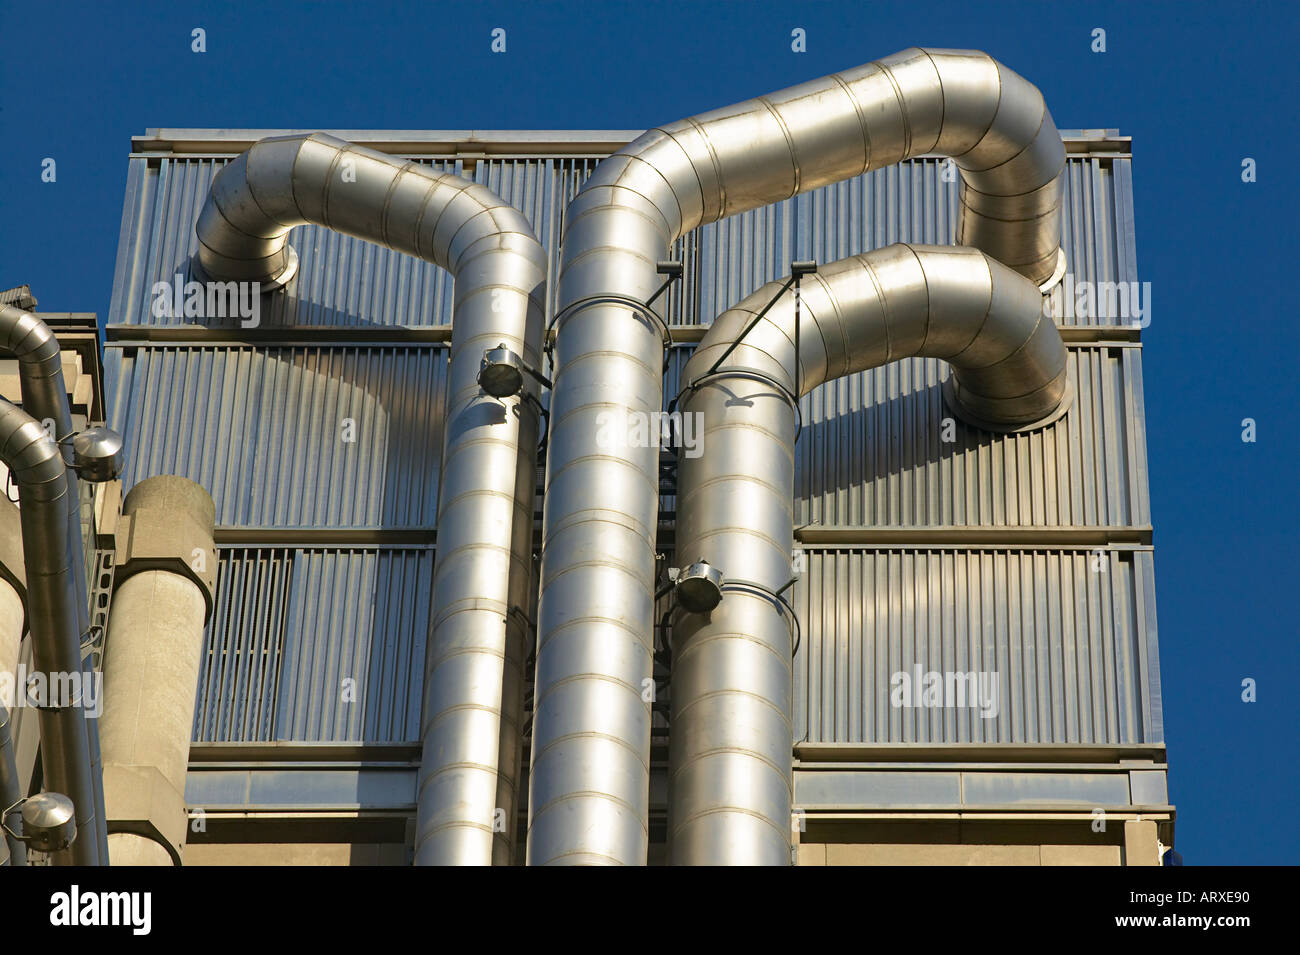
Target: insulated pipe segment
{"points": [[591, 733], [473, 694], [731, 742], [36, 464]]}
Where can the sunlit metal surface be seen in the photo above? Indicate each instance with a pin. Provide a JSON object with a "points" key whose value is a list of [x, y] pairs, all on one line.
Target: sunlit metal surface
{"points": [[97, 454], [730, 781], [49, 822], [591, 733], [36, 464], [45, 397], [246, 421], [473, 674]]}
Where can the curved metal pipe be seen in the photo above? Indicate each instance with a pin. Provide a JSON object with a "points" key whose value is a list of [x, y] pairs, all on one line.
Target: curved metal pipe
{"points": [[730, 750], [591, 731], [45, 398], [472, 706], [38, 467]]}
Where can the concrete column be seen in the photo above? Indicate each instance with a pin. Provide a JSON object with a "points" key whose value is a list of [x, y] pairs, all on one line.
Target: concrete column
{"points": [[1141, 845], [162, 599]]}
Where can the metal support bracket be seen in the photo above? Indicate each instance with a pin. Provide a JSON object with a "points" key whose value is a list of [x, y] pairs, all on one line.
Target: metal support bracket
{"points": [[778, 599], [673, 270]]}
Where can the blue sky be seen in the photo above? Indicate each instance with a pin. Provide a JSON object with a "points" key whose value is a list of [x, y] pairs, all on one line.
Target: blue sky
{"points": [[1199, 86]]}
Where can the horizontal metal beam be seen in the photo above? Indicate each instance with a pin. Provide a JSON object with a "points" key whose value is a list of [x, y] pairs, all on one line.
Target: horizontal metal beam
{"points": [[1026, 814], [815, 536], [1144, 753], [964, 537], [477, 143], [227, 536], [296, 336], [1117, 336], [288, 751], [444, 143], [292, 336]]}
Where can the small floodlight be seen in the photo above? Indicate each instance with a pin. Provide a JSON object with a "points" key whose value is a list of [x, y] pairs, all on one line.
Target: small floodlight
{"points": [[501, 373], [97, 454], [699, 587], [49, 822]]}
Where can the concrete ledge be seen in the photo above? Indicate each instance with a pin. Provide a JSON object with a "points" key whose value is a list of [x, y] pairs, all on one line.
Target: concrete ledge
{"points": [[298, 853], [929, 855]]}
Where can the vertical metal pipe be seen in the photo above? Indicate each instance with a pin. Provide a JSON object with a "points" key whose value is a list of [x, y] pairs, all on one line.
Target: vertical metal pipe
{"points": [[591, 731], [731, 745], [45, 398], [38, 467], [485, 507]]}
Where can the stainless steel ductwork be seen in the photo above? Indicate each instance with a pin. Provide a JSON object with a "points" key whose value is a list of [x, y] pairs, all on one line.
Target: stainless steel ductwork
{"points": [[591, 732], [473, 672], [730, 751], [37, 466], [45, 397]]}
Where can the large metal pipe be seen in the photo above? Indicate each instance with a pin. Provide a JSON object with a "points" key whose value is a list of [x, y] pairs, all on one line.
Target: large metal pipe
{"points": [[730, 750], [591, 731], [37, 466], [487, 491], [45, 398]]}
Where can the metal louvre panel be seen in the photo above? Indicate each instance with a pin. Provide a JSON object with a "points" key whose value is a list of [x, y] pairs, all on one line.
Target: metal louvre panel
{"points": [[540, 189], [341, 280], [261, 429], [347, 281], [291, 625], [908, 202], [865, 458], [870, 452], [1064, 629]]}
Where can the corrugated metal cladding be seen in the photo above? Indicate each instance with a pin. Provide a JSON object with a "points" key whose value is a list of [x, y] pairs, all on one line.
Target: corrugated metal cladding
{"points": [[1068, 636], [263, 429], [315, 644], [870, 452], [337, 436], [344, 281], [341, 281], [260, 425]]}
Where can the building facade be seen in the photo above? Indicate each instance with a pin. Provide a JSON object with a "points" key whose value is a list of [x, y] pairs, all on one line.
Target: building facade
{"points": [[923, 546]]}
